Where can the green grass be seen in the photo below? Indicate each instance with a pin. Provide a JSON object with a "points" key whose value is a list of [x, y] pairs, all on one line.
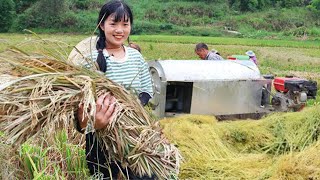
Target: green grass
{"points": [[278, 57], [227, 41], [8, 39], [59, 159]]}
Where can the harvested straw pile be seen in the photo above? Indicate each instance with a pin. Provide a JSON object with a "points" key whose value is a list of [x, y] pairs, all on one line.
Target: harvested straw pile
{"points": [[46, 91], [279, 146]]}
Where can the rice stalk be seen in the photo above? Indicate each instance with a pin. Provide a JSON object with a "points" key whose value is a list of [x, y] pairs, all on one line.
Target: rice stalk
{"points": [[61, 159], [236, 149], [9, 165], [45, 93]]}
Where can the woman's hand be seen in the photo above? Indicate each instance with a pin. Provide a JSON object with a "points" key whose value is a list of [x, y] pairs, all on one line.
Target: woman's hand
{"points": [[104, 110], [105, 106]]}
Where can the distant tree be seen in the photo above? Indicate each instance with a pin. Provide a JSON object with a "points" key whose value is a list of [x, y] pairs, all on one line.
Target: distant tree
{"points": [[294, 3], [248, 5], [22, 5], [315, 4], [51, 9], [254, 5], [6, 15], [264, 4], [43, 14], [82, 4]]}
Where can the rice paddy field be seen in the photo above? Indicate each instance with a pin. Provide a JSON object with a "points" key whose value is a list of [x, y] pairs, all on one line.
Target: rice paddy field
{"points": [[278, 146]]}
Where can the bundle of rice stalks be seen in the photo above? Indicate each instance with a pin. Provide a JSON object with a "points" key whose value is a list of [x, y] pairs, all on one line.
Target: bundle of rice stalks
{"points": [[245, 136], [248, 149], [292, 132], [200, 145], [45, 93], [300, 165]]}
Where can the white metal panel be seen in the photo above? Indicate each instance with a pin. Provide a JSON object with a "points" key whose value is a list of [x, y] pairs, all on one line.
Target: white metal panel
{"points": [[204, 70], [227, 97]]}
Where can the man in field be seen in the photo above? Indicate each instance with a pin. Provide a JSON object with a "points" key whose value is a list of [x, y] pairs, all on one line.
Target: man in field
{"points": [[202, 51]]}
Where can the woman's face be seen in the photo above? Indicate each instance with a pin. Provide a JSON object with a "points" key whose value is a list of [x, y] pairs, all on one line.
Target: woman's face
{"points": [[116, 32]]}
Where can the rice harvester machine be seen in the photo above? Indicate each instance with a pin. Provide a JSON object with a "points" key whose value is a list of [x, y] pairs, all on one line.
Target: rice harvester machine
{"points": [[226, 89]]}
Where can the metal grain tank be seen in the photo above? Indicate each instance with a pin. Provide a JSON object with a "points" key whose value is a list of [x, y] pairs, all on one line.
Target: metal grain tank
{"points": [[218, 88]]}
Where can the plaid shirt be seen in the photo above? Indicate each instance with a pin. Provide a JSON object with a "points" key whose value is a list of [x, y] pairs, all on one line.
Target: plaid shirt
{"points": [[213, 56]]}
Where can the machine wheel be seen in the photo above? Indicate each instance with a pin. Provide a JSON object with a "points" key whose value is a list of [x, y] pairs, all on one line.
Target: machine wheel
{"points": [[298, 108]]}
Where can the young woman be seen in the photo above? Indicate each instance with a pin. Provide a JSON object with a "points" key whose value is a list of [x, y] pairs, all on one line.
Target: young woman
{"points": [[123, 65]]}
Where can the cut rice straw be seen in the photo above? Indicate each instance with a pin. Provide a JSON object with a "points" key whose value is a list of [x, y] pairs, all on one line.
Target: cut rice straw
{"points": [[45, 93]]}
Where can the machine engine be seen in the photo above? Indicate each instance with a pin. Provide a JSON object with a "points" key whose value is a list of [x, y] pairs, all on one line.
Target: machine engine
{"points": [[292, 93]]}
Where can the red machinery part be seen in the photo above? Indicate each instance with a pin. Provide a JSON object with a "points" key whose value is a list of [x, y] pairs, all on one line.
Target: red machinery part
{"points": [[231, 58], [279, 82]]}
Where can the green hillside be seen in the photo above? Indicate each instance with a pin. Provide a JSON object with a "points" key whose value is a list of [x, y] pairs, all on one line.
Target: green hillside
{"points": [[245, 18]]}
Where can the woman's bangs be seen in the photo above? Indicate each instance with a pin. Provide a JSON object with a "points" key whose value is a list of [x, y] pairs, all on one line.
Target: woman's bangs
{"points": [[121, 15]]}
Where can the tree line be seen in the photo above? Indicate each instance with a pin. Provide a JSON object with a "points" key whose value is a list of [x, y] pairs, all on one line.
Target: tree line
{"points": [[153, 15]]}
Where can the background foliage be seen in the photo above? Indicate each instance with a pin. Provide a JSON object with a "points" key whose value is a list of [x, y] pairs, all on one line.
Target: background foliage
{"points": [[6, 14], [241, 18]]}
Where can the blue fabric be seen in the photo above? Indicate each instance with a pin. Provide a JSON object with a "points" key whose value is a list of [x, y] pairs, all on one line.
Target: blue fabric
{"points": [[144, 98]]}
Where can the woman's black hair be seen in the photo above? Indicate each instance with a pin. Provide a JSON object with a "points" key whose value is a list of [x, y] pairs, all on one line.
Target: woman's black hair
{"points": [[121, 11]]}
